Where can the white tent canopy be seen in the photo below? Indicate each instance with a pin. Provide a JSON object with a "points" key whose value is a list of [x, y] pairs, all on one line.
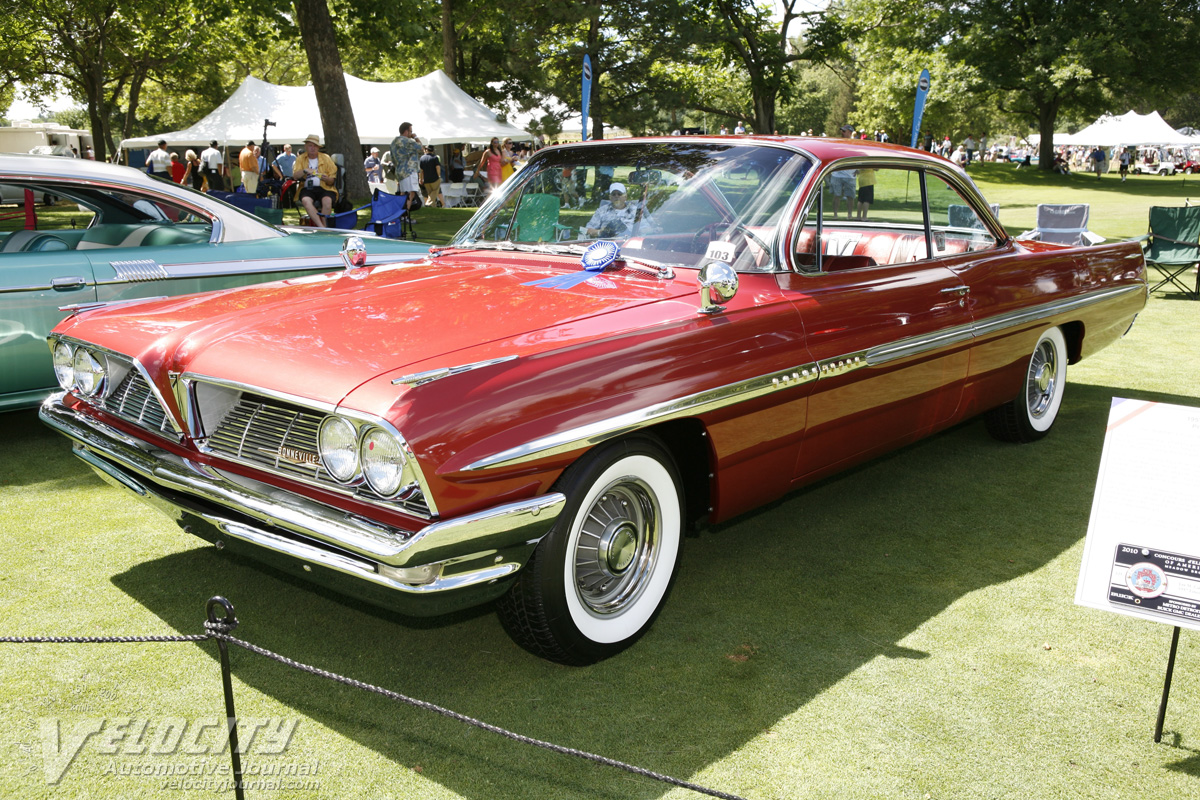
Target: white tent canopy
{"points": [[1128, 129], [441, 113]]}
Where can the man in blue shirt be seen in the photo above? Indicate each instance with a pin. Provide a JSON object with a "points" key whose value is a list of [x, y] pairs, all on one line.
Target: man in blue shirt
{"points": [[285, 162]]}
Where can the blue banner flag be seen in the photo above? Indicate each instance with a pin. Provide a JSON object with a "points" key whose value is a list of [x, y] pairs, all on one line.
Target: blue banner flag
{"points": [[919, 106], [587, 91]]}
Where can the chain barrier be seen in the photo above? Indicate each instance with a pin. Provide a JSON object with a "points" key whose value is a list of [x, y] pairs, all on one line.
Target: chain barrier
{"points": [[219, 628]]}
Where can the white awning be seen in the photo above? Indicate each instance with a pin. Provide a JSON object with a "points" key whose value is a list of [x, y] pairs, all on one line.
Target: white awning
{"points": [[440, 112]]}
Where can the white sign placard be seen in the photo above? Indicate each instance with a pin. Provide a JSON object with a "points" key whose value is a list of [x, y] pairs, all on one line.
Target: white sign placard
{"points": [[1142, 554]]}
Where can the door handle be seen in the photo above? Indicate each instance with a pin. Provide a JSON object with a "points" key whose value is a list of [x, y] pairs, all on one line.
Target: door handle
{"points": [[67, 284], [958, 290]]}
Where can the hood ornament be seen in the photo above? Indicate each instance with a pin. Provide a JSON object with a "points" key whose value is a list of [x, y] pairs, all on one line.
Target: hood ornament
{"points": [[354, 252]]}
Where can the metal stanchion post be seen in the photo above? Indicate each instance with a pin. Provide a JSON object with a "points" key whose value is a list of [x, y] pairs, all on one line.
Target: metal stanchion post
{"points": [[235, 754], [1162, 706]]}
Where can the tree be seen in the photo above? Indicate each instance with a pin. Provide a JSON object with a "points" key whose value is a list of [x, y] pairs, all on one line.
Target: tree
{"points": [[1042, 58], [329, 84], [758, 44], [102, 52]]}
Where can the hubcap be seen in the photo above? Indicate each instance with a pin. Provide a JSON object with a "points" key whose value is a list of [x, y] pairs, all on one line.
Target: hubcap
{"points": [[618, 546], [1043, 379]]}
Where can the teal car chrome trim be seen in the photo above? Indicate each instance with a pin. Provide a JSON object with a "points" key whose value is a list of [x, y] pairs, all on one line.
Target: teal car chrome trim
{"points": [[43, 287], [136, 270], [305, 529], [720, 397]]}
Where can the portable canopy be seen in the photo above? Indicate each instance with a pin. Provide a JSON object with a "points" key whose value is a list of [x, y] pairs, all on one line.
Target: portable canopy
{"points": [[1128, 129], [441, 113]]}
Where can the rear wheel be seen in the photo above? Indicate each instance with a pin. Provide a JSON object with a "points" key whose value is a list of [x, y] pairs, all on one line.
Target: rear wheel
{"points": [[598, 579], [1030, 415]]}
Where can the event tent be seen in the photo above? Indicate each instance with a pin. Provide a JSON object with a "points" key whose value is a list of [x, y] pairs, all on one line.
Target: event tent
{"points": [[1128, 129], [441, 113]]}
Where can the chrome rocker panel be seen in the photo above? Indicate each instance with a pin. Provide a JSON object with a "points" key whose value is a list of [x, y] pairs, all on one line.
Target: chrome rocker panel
{"points": [[440, 567]]}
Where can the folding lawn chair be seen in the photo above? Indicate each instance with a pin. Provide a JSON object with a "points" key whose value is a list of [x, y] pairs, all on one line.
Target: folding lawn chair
{"points": [[1173, 246], [1062, 224], [389, 216], [537, 219]]}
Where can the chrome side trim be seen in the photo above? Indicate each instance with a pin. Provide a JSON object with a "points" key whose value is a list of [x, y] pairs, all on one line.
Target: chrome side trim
{"points": [[917, 345], [699, 403], [702, 402], [418, 378], [159, 472], [37, 287], [1014, 318]]}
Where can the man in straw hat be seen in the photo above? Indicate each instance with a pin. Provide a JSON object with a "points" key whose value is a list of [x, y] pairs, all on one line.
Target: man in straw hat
{"points": [[318, 177]]}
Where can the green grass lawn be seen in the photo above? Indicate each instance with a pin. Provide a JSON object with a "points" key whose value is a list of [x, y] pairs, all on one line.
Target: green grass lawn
{"points": [[904, 630]]}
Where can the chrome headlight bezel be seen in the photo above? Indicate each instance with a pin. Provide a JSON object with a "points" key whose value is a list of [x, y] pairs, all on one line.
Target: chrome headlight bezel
{"points": [[383, 461], [63, 356], [90, 371], [337, 447]]}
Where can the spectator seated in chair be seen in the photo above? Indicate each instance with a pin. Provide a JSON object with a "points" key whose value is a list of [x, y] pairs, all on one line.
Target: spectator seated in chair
{"points": [[317, 174]]}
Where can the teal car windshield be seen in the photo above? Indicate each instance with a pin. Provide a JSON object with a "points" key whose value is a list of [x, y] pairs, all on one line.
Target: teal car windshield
{"points": [[663, 202]]}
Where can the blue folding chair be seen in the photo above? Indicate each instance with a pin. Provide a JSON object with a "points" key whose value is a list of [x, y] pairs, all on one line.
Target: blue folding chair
{"points": [[389, 216]]}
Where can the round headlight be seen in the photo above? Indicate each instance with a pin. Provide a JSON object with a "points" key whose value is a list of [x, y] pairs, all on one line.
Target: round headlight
{"points": [[382, 461], [64, 370], [337, 442], [89, 372]]}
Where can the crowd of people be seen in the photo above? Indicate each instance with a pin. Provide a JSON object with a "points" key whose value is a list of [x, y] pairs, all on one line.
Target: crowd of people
{"points": [[409, 167]]}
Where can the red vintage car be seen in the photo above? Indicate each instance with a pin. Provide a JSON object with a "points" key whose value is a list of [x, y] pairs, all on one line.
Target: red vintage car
{"points": [[629, 339]]}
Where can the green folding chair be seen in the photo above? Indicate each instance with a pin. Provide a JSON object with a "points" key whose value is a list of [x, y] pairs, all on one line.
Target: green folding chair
{"points": [[537, 219], [1173, 247]]}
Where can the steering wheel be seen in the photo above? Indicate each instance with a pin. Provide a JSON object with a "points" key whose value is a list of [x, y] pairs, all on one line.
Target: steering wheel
{"points": [[709, 232]]}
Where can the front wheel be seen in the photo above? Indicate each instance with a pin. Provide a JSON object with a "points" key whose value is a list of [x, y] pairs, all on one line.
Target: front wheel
{"points": [[599, 578], [1030, 415]]}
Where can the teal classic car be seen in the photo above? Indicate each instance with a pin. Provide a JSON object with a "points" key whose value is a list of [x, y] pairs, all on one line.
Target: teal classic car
{"points": [[114, 234]]}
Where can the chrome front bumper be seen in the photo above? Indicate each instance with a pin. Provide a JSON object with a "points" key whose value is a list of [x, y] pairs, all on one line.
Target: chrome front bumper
{"points": [[437, 568]]}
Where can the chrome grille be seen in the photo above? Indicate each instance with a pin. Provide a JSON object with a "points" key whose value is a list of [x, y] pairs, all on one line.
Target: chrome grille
{"points": [[258, 431], [282, 437], [133, 400]]}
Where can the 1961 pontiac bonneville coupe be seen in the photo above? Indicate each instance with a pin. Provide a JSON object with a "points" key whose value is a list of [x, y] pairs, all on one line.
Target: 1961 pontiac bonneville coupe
{"points": [[629, 338]]}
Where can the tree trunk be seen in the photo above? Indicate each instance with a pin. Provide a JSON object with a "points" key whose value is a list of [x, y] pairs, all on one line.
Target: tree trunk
{"points": [[449, 41], [1047, 117], [329, 83]]}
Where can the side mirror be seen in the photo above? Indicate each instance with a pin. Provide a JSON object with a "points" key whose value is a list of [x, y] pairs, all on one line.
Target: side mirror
{"points": [[354, 252], [718, 284]]}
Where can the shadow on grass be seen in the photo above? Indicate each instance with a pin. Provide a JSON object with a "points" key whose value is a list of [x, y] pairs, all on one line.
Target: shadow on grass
{"points": [[768, 611], [32, 454]]}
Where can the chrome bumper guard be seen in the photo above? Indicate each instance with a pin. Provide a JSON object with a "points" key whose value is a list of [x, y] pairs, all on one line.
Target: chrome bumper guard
{"points": [[440, 567]]}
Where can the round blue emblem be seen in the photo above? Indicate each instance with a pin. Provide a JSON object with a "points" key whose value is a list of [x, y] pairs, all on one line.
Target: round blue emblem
{"points": [[599, 255]]}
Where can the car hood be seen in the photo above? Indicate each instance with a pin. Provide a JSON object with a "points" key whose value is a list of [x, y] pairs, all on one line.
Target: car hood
{"points": [[321, 336]]}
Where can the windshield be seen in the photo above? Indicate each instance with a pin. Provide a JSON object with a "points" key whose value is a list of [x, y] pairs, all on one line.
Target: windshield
{"points": [[673, 203]]}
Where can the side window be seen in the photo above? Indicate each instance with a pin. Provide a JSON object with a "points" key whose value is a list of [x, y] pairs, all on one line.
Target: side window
{"points": [[956, 226], [864, 217]]}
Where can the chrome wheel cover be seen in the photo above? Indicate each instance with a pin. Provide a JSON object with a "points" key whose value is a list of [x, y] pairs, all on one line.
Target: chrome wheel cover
{"points": [[618, 546], [1042, 381]]}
